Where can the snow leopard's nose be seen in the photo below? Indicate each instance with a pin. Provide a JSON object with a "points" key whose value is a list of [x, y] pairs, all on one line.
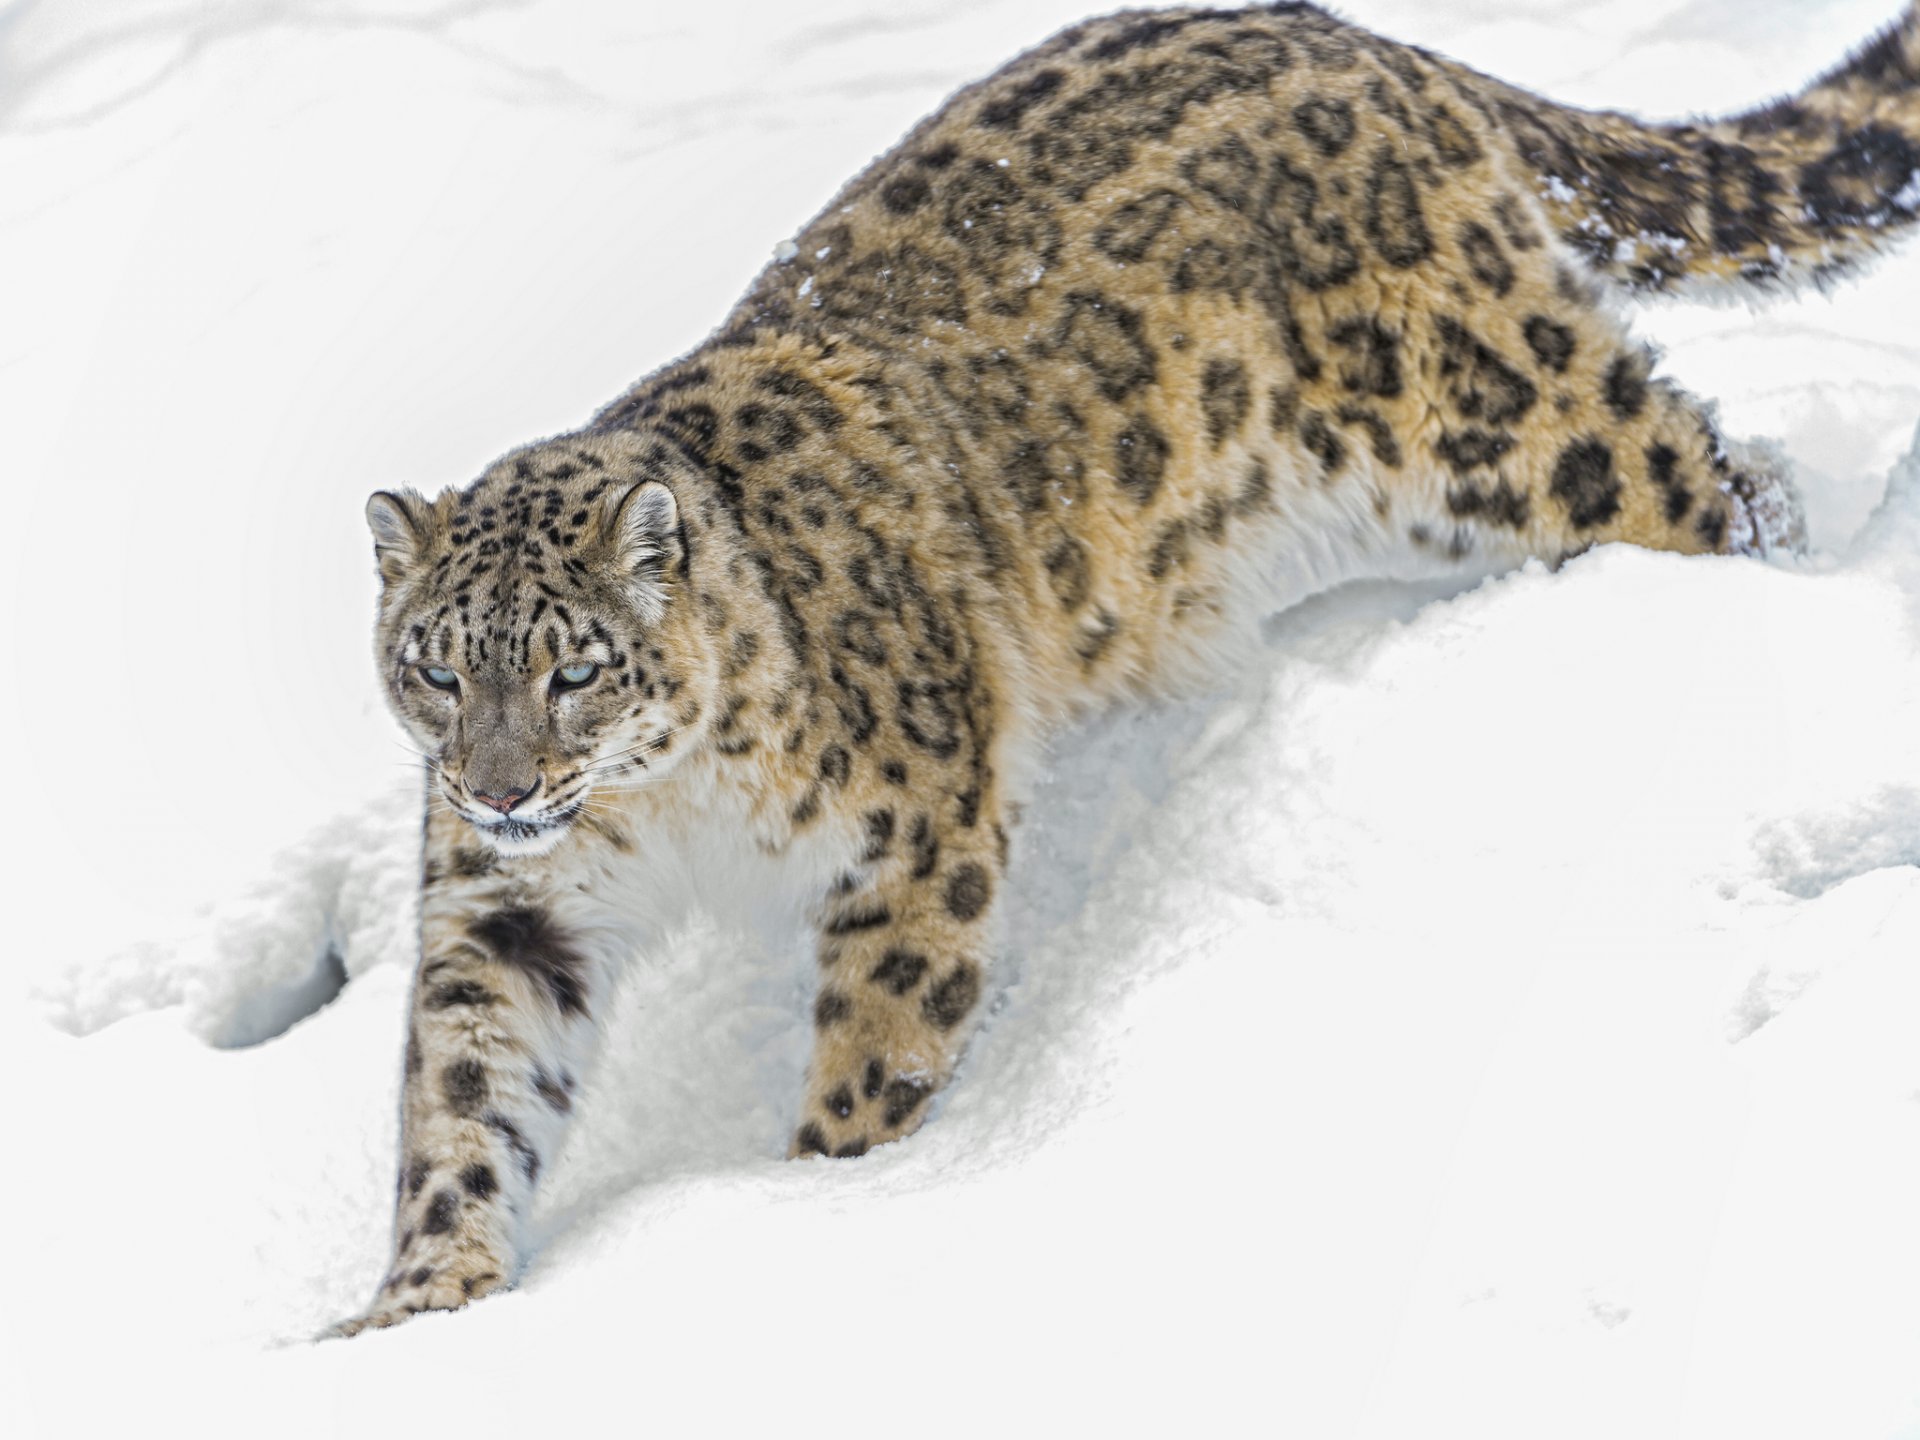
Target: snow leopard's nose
{"points": [[503, 803]]}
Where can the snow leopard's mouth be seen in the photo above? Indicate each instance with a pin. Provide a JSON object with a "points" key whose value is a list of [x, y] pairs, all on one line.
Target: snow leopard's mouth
{"points": [[516, 837]]}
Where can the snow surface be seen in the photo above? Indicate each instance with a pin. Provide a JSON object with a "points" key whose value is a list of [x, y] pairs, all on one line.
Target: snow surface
{"points": [[1494, 1014]]}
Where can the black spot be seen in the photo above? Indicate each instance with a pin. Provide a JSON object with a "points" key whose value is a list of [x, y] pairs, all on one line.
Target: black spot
{"points": [[470, 863], [1225, 398], [478, 1180], [949, 1001], [1373, 363], [928, 716], [420, 1276], [1711, 527], [1322, 443], [1626, 386], [1452, 141], [859, 636], [1483, 385], [1500, 503], [1395, 222], [1551, 342], [1226, 171], [460, 992], [528, 1157], [464, 1084], [879, 826], [1742, 197], [870, 1082], [925, 846], [550, 1090], [840, 1102], [416, 1176], [1129, 233], [904, 195], [1110, 340], [899, 971], [440, 1212], [811, 1140], [1663, 469], [968, 890], [525, 937], [1283, 406], [1327, 123], [1068, 573], [1514, 224], [1312, 245], [902, 290], [1003, 112], [1583, 481], [1206, 264], [1140, 460], [765, 430], [830, 1009], [1139, 35], [1091, 136], [894, 772], [869, 916], [1866, 180], [1380, 436], [1485, 259], [1256, 490], [903, 1098], [1172, 547], [1473, 447], [853, 1149], [1008, 233], [834, 765]]}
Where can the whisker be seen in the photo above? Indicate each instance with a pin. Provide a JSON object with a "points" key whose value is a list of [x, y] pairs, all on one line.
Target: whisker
{"points": [[632, 752]]}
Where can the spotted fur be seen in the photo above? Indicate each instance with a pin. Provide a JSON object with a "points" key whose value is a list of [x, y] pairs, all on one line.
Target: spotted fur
{"points": [[1177, 317]]}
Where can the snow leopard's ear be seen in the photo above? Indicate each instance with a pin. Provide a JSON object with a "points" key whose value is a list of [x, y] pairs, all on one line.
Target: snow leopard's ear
{"points": [[643, 527], [399, 520]]}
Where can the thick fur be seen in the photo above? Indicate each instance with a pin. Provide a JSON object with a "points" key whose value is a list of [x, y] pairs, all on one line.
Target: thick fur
{"points": [[1176, 318]]}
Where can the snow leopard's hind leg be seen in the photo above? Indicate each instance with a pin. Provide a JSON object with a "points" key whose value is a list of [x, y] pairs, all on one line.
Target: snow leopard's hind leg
{"points": [[1554, 436]]}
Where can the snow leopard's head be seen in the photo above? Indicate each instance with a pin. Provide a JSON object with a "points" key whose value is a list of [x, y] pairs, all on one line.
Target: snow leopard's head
{"points": [[534, 635]]}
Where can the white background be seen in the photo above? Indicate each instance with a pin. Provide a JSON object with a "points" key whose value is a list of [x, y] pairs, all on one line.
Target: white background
{"points": [[1491, 1014]]}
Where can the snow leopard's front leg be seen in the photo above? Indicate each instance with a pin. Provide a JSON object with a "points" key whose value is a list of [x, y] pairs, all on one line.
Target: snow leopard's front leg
{"points": [[516, 969], [905, 948]]}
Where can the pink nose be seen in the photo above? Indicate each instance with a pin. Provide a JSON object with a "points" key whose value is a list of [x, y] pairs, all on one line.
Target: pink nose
{"points": [[503, 803]]}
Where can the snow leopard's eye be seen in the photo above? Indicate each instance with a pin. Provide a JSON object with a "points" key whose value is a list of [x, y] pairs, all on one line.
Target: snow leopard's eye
{"points": [[572, 677], [439, 677]]}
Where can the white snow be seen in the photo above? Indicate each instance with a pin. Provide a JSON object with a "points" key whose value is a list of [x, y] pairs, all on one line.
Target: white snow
{"points": [[1558, 190], [1493, 1014]]}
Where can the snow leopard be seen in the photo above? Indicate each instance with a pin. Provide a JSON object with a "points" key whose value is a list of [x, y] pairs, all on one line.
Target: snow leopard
{"points": [[1173, 320]]}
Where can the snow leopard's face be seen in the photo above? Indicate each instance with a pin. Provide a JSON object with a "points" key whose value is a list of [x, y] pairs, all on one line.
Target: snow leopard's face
{"points": [[531, 638]]}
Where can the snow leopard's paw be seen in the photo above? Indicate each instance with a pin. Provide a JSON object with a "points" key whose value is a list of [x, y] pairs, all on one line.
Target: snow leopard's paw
{"points": [[424, 1287]]}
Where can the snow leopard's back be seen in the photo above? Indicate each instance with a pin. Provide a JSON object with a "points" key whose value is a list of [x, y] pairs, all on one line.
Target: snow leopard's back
{"points": [[1185, 314]]}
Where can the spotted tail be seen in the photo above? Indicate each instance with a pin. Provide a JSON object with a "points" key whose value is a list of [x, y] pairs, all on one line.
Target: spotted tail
{"points": [[1798, 191]]}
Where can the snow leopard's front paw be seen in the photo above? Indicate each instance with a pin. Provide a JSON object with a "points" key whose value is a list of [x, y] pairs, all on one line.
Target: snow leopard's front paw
{"points": [[425, 1287]]}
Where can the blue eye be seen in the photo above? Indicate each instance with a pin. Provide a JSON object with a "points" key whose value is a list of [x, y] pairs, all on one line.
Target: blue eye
{"points": [[572, 677], [439, 677]]}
